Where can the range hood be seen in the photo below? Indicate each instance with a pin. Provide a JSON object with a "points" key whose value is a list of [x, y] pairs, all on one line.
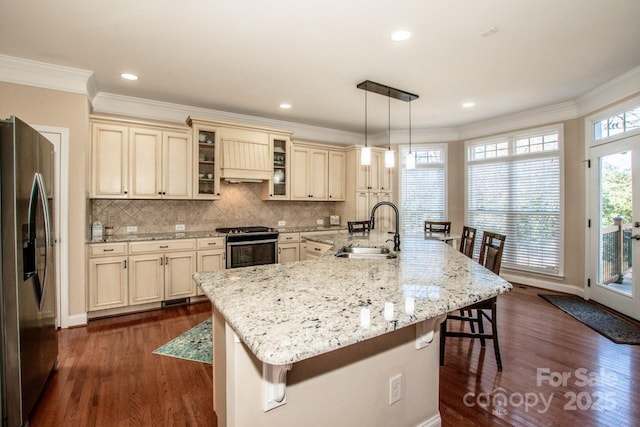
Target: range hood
{"points": [[247, 160]]}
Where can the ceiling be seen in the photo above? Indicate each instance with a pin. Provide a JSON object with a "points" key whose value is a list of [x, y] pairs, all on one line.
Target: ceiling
{"points": [[250, 56]]}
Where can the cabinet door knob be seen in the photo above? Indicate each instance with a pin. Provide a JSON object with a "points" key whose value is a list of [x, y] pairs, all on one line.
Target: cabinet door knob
{"points": [[125, 191]]}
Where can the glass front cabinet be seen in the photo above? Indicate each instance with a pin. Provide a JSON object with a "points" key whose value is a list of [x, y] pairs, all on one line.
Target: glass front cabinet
{"points": [[206, 184], [278, 187]]}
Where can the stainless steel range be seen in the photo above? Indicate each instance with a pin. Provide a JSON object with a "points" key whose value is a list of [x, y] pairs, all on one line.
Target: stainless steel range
{"points": [[247, 246]]}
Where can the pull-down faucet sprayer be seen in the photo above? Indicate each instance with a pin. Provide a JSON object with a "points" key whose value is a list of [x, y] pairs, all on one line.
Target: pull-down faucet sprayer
{"points": [[372, 222]]}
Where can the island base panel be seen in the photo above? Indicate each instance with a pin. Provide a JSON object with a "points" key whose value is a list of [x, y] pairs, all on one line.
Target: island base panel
{"points": [[345, 387]]}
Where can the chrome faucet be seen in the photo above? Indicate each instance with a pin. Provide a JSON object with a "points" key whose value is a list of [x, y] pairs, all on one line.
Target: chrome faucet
{"points": [[372, 222]]}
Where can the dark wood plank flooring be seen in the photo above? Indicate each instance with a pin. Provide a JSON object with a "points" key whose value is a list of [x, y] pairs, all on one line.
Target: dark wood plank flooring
{"points": [[107, 375]]}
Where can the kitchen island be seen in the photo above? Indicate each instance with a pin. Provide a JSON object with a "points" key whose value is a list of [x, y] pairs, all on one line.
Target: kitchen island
{"points": [[319, 342]]}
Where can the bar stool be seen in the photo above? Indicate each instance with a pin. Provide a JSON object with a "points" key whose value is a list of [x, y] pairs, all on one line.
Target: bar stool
{"points": [[468, 241], [358, 226], [491, 258], [437, 227]]}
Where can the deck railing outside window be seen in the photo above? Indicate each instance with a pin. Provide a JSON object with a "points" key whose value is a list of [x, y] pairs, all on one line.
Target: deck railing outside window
{"points": [[616, 251]]}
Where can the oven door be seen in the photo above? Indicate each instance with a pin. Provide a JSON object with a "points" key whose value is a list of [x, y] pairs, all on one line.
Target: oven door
{"points": [[251, 252]]}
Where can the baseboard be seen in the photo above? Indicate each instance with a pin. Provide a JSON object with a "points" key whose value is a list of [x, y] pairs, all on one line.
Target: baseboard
{"points": [[76, 320], [544, 284], [434, 421]]}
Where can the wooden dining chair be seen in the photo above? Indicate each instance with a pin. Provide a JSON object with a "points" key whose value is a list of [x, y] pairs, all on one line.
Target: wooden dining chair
{"points": [[468, 241], [437, 227], [358, 226], [475, 314]]}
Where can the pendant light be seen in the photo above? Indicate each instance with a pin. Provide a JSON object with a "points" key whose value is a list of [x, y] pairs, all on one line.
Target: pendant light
{"points": [[411, 157], [389, 156], [365, 152]]}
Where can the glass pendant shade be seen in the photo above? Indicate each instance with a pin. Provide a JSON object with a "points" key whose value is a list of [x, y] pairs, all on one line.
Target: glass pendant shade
{"points": [[411, 161], [389, 159], [365, 156]]}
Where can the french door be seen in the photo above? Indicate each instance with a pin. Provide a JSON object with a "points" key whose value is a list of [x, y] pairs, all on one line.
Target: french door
{"points": [[615, 225]]}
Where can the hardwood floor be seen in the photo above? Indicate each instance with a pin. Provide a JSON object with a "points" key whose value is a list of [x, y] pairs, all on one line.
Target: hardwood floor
{"points": [[107, 375]]}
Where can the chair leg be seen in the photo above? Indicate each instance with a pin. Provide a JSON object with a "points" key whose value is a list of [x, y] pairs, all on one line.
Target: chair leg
{"points": [[443, 333], [494, 333], [478, 311], [469, 313]]}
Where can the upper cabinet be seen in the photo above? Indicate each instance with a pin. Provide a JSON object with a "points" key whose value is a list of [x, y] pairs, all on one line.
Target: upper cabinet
{"points": [[138, 160], [375, 177], [206, 161], [317, 172], [336, 175], [109, 160], [279, 185]]}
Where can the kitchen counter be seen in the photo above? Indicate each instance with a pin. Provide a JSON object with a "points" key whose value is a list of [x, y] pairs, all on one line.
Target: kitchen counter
{"points": [[133, 237], [289, 312], [320, 342]]}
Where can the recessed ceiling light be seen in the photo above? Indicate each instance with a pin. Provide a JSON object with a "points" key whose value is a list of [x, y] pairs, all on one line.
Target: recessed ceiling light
{"points": [[285, 106], [468, 104], [400, 35], [129, 76]]}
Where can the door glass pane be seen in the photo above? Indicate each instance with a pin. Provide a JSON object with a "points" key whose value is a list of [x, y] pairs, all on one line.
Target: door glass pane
{"points": [[615, 221]]}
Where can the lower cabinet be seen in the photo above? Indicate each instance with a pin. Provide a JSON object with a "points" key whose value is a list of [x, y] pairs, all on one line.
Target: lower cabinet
{"points": [[288, 247], [161, 270], [108, 280], [210, 259]]}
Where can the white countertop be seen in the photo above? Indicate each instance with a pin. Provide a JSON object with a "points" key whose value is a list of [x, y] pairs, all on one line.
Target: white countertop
{"points": [[289, 312]]}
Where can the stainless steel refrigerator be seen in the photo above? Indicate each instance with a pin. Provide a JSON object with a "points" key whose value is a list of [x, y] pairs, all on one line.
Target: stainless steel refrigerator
{"points": [[29, 345]]}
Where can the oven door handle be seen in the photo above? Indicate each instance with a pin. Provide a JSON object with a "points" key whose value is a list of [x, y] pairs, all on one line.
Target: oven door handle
{"points": [[252, 242]]}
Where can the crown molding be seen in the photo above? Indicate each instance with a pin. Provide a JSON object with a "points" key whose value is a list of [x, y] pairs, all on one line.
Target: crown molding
{"points": [[521, 120], [612, 91], [158, 110], [48, 76]]}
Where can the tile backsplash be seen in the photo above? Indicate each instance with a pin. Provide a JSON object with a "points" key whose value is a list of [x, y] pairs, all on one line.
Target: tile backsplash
{"points": [[239, 205]]}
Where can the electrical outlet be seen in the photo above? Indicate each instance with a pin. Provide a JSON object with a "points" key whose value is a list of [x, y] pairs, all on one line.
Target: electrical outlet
{"points": [[132, 229], [180, 227], [282, 223], [395, 389], [320, 222]]}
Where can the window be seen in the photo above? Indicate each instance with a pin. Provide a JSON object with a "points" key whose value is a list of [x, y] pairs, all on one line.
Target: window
{"points": [[614, 125], [516, 191], [422, 190]]}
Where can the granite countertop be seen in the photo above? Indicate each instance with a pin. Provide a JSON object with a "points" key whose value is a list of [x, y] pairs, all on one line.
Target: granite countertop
{"points": [[289, 312], [203, 234]]}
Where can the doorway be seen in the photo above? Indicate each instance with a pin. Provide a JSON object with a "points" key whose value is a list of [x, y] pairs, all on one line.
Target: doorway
{"points": [[615, 225], [59, 137]]}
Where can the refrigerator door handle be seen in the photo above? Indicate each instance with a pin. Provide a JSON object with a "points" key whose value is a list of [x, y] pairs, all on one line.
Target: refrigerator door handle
{"points": [[30, 235]]}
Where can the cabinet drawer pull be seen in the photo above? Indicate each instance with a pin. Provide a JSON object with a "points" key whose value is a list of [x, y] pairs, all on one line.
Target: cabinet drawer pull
{"points": [[125, 264], [317, 249], [164, 246], [212, 243], [107, 250]]}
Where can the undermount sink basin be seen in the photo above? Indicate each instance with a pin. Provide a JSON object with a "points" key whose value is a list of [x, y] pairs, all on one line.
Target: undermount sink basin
{"points": [[365, 253]]}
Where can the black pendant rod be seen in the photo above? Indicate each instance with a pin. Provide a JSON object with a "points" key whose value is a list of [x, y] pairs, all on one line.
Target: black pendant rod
{"points": [[385, 90]]}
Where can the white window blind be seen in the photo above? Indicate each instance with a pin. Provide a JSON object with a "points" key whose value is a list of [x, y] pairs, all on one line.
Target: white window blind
{"points": [[519, 195], [422, 190]]}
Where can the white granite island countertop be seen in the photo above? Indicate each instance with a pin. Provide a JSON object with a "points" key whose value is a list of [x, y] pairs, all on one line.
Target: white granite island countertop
{"points": [[286, 313]]}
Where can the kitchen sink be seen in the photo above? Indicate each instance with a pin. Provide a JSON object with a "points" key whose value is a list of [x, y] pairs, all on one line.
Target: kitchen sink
{"points": [[365, 253]]}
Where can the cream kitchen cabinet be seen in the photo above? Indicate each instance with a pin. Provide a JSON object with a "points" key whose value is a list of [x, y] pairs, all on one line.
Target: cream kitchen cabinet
{"points": [[314, 250], [375, 177], [309, 173], [108, 279], [161, 270], [211, 256], [279, 186], [366, 186], [140, 160], [288, 247], [109, 160], [160, 164], [336, 175], [206, 160]]}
